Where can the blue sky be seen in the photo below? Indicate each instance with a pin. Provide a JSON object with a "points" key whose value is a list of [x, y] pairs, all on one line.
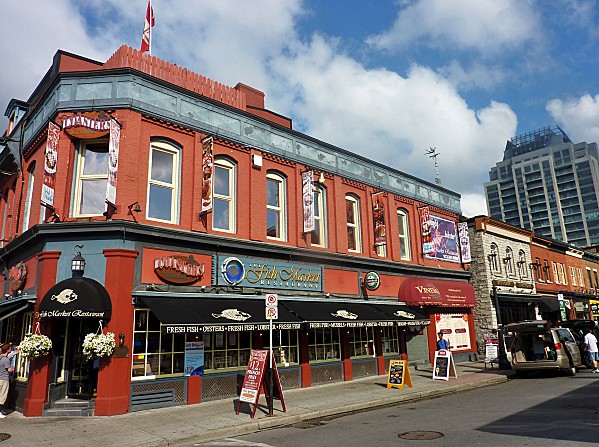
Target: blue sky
{"points": [[383, 78]]}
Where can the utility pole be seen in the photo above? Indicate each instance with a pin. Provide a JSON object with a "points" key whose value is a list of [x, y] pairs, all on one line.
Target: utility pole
{"points": [[432, 153]]}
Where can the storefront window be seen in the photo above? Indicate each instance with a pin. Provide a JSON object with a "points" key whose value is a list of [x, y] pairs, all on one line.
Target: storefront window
{"points": [[22, 363], [285, 346], [390, 339], [226, 350], [155, 353], [324, 344], [361, 342]]}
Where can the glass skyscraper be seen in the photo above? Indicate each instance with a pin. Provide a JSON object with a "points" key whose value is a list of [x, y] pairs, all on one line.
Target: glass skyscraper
{"points": [[549, 185]]}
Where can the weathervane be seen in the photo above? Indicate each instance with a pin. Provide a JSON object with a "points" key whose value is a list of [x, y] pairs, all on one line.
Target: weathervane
{"points": [[432, 153]]}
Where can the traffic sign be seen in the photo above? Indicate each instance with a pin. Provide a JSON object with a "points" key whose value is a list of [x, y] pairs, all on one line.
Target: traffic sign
{"points": [[272, 313], [272, 300]]}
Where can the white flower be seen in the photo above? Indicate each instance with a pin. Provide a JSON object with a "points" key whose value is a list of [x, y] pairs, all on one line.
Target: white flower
{"points": [[35, 345], [98, 345]]}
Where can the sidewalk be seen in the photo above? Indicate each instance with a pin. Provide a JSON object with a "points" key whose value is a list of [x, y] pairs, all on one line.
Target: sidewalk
{"points": [[217, 419]]}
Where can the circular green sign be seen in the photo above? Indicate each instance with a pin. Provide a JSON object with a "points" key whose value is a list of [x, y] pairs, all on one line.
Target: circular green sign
{"points": [[372, 280]]}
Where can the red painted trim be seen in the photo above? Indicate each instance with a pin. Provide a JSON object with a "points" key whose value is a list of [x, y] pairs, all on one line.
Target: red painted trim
{"points": [[194, 390], [306, 375], [347, 370]]}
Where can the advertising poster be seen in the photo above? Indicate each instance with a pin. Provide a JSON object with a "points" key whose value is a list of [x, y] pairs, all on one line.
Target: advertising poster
{"points": [[308, 200], [444, 368], [491, 348], [50, 161], [425, 229], [399, 374], [378, 213], [194, 358], [455, 328], [113, 161], [464, 242], [444, 240], [207, 172]]}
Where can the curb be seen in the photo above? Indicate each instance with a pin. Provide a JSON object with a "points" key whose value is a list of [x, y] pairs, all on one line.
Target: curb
{"points": [[283, 421]]}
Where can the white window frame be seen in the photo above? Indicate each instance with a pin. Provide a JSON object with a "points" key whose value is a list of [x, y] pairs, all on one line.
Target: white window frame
{"points": [[83, 177], [494, 259], [509, 262], [573, 275], [556, 277], [29, 196], [562, 274], [522, 270], [281, 208], [354, 226], [404, 239], [320, 215], [580, 277], [223, 163], [174, 186], [547, 275]]}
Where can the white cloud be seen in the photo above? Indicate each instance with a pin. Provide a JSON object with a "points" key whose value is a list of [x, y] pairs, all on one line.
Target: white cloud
{"points": [[579, 117], [476, 76], [474, 205], [485, 26]]}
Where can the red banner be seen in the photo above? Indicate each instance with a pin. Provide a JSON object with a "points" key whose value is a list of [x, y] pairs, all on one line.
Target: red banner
{"points": [[207, 173], [378, 213], [50, 162]]}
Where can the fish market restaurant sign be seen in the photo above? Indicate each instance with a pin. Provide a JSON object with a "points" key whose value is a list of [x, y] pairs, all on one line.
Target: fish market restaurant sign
{"points": [[267, 274]]}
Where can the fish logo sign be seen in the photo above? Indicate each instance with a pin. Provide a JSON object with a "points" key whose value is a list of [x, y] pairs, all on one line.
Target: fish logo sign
{"points": [[65, 297], [232, 314], [403, 313], [345, 314]]}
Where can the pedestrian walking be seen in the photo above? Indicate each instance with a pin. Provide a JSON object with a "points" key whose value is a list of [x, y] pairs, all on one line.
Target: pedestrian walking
{"points": [[5, 371], [590, 343]]}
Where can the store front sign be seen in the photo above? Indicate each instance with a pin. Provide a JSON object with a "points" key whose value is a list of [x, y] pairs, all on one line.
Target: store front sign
{"points": [[266, 274], [78, 298], [425, 292], [178, 269], [86, 125]]}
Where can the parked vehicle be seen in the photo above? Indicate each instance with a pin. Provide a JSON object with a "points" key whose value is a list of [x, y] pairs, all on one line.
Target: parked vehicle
{"points": [[537, 346], [579, 329]]}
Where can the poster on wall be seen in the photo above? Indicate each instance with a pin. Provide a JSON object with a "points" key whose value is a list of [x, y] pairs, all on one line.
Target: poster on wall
{"points": [[464, 242], [194, 358], [455, 328], [113, 161], [378, 214], [50, 161], [444, 240], [207, 172], [425, 229], [308, 200]]}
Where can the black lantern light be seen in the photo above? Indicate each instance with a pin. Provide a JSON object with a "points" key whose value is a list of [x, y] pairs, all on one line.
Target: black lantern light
{"points": [[78, 263]]}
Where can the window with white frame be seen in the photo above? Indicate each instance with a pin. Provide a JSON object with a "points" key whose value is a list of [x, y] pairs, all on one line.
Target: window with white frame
{"points": [[562, 274], [28, 196], [163, 182], [522, 270], [589, 274], [404, 235], [352, 213], [555, 273], [276, 218], [509, 261], [92, 176], [494, 258], [319, 235], [324, 344], [580, 277], [223, 212], [546, 270], [573, 275]]}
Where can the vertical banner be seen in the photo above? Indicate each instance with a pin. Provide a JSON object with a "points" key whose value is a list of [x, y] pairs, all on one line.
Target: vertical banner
{"points": [[207, 172], [425, 230], [378, 214], [194, 358], [50, 161], [464, 242], [308, 200], [113, 161]]}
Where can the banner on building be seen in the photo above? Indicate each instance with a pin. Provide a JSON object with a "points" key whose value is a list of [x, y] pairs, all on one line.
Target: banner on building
{"points": [[378, 213], [444, 244], [113, 161], [464, 242], [207, 173], [308, 200], [425, 229], [50, 161]]}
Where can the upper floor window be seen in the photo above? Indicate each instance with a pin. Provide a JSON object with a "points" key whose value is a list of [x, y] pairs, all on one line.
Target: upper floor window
{"points": [[562, 274], [537, 266], [223, 213], [163, 182], [92, 176], [319, 235], [590, 277], [573, 276], [275, 207], [494, 262], [28, 197], [596, 278], [580, 277], [509, 261], [522, 264], [556, 277], [404, 235], [352, 213], [546, 270]]}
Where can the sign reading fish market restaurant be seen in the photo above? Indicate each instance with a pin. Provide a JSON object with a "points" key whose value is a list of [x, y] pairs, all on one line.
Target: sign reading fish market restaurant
{"points": [[268, 274]]}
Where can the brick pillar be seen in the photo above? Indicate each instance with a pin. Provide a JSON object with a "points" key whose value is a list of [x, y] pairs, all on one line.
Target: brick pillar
{"points": [[39, 369], [345, 356], [194, 390], [114, 375], [304, 358], [378, 348]]}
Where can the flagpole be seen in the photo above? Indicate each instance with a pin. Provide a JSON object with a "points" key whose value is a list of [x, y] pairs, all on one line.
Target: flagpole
{"points": [[150, 23]]}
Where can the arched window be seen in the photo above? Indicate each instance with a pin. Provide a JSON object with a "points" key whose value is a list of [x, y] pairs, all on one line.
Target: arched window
{"points": [[27, 211], [224, 212], [509, 261], [352, 213], [522, 270], [276, 218], [404, 235], [163, 183], [494, 258], [319, 235]]}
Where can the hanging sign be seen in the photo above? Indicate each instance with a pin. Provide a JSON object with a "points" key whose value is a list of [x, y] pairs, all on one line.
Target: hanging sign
{"points": [[425, 229], [444, 366], [178, 269], [378, 213], [207, 172], [464, 242], [113, 161], [308, 200], [372, 281], [50, 162], [399, 374]]}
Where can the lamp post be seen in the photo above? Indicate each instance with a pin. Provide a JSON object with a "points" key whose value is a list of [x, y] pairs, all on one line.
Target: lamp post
{"points": [[503, 361]]}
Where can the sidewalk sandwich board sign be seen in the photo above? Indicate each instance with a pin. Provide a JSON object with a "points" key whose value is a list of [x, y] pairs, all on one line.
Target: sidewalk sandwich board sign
{"points": [[255, 381], [444, 367], [399, 374]]}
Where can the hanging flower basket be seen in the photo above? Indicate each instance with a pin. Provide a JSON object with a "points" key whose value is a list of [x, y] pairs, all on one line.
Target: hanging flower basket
{"points": [[35, 345], [98, 345]]}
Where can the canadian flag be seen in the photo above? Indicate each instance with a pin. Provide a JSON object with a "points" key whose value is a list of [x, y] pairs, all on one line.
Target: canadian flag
{"points": [[148, 24]]}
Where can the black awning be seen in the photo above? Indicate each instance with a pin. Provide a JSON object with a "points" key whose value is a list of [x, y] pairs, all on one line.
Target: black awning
{"points": [[323, 314], [547, 304], [403, 315], [10, 308], [214, 315], [76, 297]]}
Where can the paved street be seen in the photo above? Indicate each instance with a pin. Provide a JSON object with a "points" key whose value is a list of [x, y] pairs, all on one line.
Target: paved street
{"points": [[542, 410]]}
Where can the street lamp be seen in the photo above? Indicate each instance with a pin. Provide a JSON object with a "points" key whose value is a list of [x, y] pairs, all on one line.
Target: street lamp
{"points": [[503, 361]]}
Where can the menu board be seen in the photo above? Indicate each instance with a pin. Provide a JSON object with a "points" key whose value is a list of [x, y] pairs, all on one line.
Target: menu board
{"points": [[456, 329], [444, 366], [399, 374]]}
